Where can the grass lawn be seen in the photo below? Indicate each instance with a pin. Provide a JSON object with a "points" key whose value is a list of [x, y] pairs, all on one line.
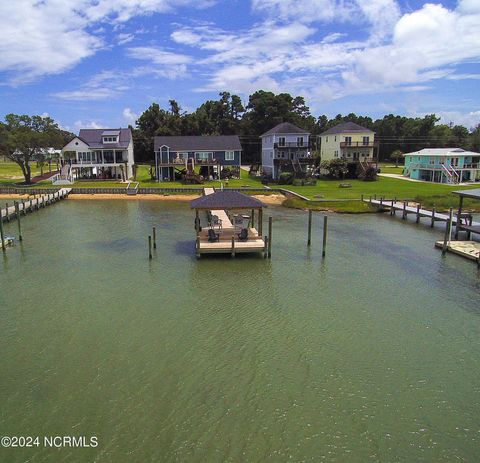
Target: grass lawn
{"points": [[11, 172], [391, 169], [426, 193]]}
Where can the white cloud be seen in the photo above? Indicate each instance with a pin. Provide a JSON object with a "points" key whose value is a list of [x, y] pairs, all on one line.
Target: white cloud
{"points": [[87, 125], [469, 120], [401, 53], [102, 86], [129, 116], [51, 36], [124, 38], [166, 64]]}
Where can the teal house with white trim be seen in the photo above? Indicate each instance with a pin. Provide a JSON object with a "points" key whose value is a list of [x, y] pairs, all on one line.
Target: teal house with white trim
{"points": [[443, 165]]}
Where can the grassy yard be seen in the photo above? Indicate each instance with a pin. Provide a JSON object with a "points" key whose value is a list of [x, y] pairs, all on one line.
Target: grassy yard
{"points": [[325, 190], [391, 169]]}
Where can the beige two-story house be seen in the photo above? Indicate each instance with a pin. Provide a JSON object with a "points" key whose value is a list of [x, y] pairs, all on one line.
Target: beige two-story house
{"points": [[349, 141]]}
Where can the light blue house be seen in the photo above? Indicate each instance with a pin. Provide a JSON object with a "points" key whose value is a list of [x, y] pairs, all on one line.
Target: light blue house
{"points": [[443, 165]]}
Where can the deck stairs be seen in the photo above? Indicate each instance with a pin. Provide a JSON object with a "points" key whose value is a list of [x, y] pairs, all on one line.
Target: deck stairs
{"points": [[64, 177], [451, 173], [132, 188]]}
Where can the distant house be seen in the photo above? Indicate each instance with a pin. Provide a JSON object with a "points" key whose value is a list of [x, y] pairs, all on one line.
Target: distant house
{"points": [[349, 141], [443, 165], [285, 148], [213, 153], [98, 154]]}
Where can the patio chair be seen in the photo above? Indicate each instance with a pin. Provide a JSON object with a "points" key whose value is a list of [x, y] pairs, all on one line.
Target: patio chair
{"points": [[243, 235], [212, 236]]}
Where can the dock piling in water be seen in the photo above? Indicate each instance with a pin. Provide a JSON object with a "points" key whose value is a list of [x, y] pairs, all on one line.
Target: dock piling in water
{"points": [[309, 239], [2, 236], [149, 247], [17, 213], [448, 230], [154, 231], [270, 221], [325, 228]]}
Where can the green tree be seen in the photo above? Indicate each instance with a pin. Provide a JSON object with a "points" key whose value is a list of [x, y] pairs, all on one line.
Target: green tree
{"points": [[336, 168], [23, 138], [396, 156]]}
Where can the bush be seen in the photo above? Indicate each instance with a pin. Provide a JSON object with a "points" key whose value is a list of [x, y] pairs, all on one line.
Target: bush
{"points": [[336, 168], [286, 178]]}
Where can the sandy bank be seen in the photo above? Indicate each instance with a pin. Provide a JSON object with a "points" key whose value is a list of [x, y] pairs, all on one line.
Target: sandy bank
{"points": [[273, 200], [139, 197]]}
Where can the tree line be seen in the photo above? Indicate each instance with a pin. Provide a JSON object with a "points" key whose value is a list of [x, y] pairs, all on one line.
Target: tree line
{"points": [[23, 137], [229, 116]]}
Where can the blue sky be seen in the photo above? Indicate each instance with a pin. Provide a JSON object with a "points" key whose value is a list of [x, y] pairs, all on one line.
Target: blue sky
{"points": [[101, 63]]}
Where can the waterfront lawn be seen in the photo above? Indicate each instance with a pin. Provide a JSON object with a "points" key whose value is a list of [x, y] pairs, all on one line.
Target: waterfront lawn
{"points": [[391, 169], [11, 172]]}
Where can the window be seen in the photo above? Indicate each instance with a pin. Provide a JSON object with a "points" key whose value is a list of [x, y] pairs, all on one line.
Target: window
{"points": [[299, 141], [229, 155], [366, 141], [203, 155], [109, 139], [348, 140], [281, 141]]}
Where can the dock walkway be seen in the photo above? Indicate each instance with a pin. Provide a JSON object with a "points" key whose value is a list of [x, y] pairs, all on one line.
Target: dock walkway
{"points": [[434, 216], [10, 212]]}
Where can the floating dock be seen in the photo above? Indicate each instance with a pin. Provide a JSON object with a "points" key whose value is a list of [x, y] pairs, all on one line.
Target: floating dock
{"points": [[468, 249]]}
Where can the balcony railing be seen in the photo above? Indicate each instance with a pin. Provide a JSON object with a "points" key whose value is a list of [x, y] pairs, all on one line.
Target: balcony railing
{"points": [[358, 144], [426, 165], [290, 144]]}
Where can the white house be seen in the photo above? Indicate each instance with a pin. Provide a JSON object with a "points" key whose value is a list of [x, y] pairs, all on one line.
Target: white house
{"points": [[349, 141], [285, 148], [97, 154]]}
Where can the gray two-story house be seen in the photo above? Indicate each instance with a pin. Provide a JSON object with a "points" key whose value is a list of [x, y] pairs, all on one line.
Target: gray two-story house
{"points": [[285, 148], [211, 153]]}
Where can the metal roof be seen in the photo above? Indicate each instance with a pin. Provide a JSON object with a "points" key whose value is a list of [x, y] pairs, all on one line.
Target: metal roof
{"points": [[286, 128], [346, 127], [110, 133], [226, 199], [474, 193], [93, 138], [442, 152], [199, 143]]}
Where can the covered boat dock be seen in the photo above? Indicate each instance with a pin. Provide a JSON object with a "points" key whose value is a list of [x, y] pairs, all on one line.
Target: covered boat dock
{"points": [[228, 230], [470, 227]]}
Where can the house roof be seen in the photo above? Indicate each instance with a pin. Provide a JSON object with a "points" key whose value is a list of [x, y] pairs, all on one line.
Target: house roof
{"points": [[285, 127], [442, 152], [226, 199], [346, 127], [199, 143], [474, 193], [93, 137]]}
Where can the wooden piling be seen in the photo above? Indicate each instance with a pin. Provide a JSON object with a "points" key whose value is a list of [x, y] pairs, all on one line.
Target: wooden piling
{"points": [[404, 216], [252, 215], [418, 213], [448, 229], [154, 232], [232, 253], [149, 247], [23, 207], [2, 236], [270, 221], [432, 223], [197, 246], [260, 222], [392, 210], [6, 212], [17, 212], [325, 228], [265, 248], [309, 239]]}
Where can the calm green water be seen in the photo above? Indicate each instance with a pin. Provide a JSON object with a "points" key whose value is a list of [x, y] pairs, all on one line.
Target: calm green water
{"points": [[371, 355]]}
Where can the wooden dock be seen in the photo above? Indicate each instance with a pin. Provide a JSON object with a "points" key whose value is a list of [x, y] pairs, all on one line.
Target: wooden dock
{"points": [[32, 204], [403, 207], [228, 234]]}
